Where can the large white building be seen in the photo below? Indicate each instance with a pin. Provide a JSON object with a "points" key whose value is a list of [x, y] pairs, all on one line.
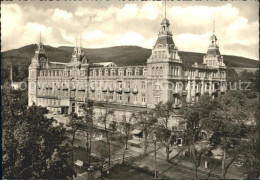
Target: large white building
{"points": [[164, 78], [63, 87]]}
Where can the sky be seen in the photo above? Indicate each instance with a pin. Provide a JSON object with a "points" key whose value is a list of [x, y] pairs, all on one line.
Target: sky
{"points": [[107, 23]]}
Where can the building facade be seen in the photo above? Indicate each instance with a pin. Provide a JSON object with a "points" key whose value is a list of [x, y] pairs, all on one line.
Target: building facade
{"points": [[63, 87]]}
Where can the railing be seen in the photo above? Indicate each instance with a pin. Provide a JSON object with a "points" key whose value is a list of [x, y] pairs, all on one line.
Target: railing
{"points": [[119, 90], [127, 90], [111, 89]]}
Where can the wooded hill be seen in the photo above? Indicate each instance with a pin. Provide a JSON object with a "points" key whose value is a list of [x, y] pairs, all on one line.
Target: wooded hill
{"points": [[121, 55]]}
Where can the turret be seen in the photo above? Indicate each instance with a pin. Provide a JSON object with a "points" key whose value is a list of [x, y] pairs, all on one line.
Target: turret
{"points": [[213, 58], [165, 49], [38, 61]]}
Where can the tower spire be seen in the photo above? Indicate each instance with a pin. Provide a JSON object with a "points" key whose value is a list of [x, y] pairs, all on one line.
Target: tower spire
{"points": [[80, 40], [40, 36], [214, 27], [76, 40], [165, 8]]}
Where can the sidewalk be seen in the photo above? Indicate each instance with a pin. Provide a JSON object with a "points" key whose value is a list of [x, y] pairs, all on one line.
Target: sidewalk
{"points": [[174, 168]]}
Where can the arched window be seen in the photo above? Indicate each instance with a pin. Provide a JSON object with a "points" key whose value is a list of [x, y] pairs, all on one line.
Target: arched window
{"points": [[161, 71]]}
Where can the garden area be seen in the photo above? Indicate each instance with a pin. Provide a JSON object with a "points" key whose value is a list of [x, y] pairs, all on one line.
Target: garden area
{"points": [[125, 171]]}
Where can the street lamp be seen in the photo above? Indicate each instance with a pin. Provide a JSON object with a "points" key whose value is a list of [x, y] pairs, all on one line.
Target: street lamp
{"points": [[154, 141]]}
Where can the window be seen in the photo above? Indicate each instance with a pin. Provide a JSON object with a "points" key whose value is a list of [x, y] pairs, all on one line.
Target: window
{"points": [[135, 98], [120, 97], [177, 71], [143, 98], [120, 85], [129, 72], [144, 71], [157, 99], [106, 72], [111, 95], [121, 72], [157, 86], [137, 72], [105, 96], [143, 85], [112, 72], [135, 86]]}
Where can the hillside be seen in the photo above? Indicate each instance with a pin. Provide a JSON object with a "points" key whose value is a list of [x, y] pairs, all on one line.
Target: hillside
{"points": [[121, 55]]}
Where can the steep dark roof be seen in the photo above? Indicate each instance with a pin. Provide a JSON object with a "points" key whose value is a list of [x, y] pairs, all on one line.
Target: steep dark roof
{"points": [[164, 40], [213, 52]]}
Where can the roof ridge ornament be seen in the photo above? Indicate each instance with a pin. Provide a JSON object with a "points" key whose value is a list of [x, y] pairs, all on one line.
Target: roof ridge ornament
{"points": [[214, 27]]}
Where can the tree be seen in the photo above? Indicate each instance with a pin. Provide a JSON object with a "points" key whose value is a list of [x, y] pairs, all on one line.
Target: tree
{"points": [[103, 153], [250, 147], [232, 76], [29, 142], [225, 116], [104, 119], [126, 127], [74, 125], [191, 137], [145, 120], [87, 125], [163, 113]]}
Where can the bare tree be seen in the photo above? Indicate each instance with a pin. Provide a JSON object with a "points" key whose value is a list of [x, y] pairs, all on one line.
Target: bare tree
{"points": [[87, 126], [103, 153], [74, 125], [145, 121], [105, 114], [163, 113]]}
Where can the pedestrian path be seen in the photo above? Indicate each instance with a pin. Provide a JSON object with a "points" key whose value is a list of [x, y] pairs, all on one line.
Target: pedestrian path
{"points": [[173, 169]]}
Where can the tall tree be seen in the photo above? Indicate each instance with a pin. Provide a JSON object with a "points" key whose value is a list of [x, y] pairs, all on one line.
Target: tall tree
{"points": [[29, 141], [87, 125], [225, 117], [74, 126], [126, 127], [145, 121], [105, 114], [163, 113]]}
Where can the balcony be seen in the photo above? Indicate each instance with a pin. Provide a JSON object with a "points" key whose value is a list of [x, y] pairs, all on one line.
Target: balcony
{"points": [[119, 90], [92, 89], [127, 90], [135, 91], [111, 89], [73, 89], [104, 89], [81, 89]]}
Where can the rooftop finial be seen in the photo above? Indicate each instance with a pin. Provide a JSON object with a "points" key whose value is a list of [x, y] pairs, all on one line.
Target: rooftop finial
{"points": [[40, 36], [76, 40], [80, 40], [214, 27]]}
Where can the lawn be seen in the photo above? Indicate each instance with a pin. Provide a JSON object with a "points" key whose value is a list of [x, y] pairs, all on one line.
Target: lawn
{"points": [[124, 171]]}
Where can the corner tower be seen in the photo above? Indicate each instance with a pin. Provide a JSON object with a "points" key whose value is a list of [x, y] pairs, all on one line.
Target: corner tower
{"points": [[163, 65], [38, 61], [213, 58]]}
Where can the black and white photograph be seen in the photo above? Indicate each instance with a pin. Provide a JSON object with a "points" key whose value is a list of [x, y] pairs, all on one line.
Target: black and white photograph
{"points": [[130, 89]]}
